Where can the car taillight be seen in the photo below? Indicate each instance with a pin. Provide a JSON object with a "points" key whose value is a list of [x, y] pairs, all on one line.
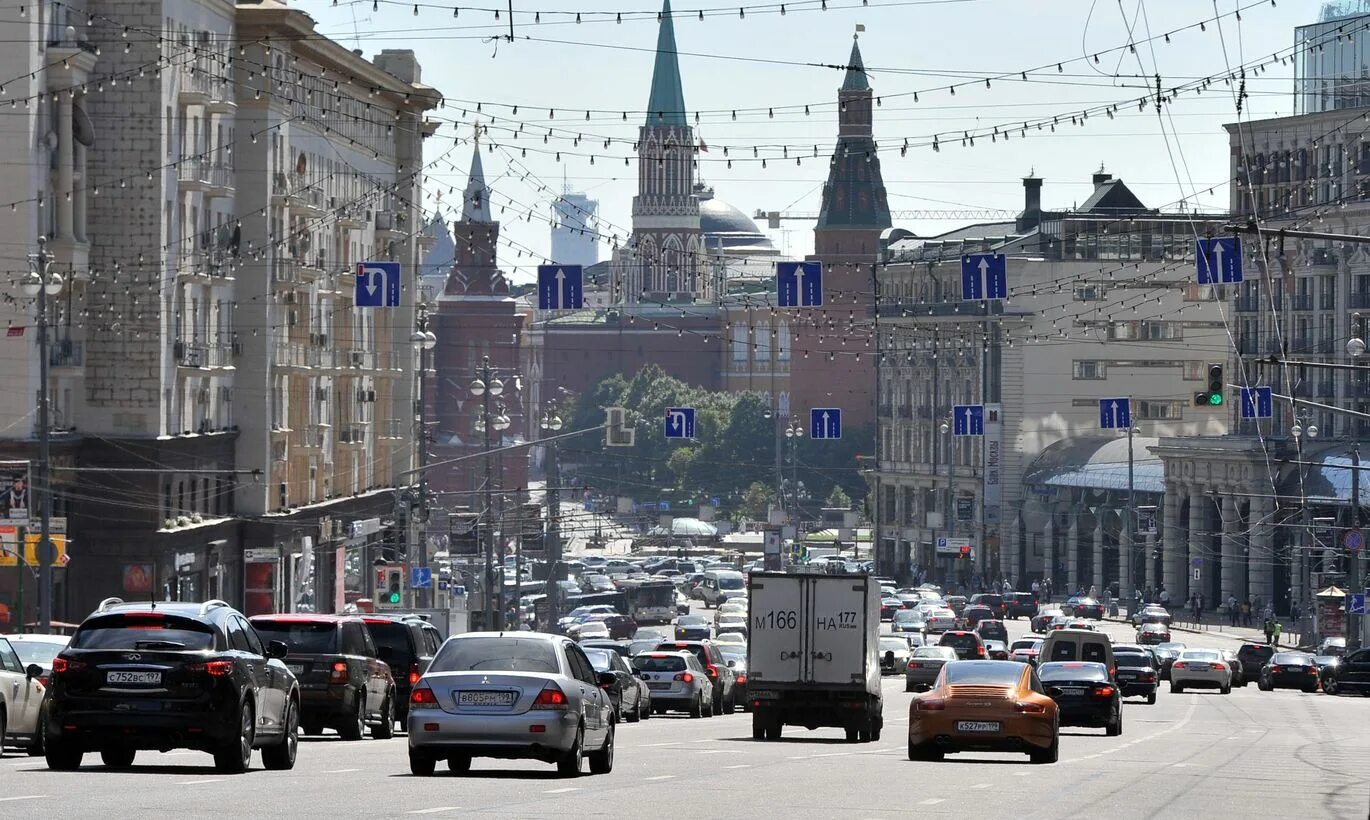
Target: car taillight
{"points": [[218, 669], [338, 674], [1103, 691], [915, 665], [1311, 670], [685, 677], [712, 670], [551, 697], [422, 696], [413, 673], [741, 678], [1029, 708], [1276, 669], [980, 650], [1177, 665], [1220, 667], [930, 705], [43, 679], [61, 666]]}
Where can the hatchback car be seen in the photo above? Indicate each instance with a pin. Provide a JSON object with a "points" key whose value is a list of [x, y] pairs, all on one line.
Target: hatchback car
{"points": [[171, 676], [1200, 668], [343, 684], [1085, 693], [511, 696], [677, 681], [991, 706], [715, 667], [1289, 670], [407, 644], [992, 629], [632, 702], [924, 665], [967, 644]]}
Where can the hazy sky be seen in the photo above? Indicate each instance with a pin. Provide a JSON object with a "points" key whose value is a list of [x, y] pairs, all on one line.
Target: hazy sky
{"points": [[764, 60]]}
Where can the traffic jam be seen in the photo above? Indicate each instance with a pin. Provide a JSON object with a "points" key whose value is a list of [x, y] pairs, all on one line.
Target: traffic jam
{"points": [[684, 639]]}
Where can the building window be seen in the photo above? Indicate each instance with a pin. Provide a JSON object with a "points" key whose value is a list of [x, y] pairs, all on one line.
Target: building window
{"points": [[1160, 410], [740, 342], [782, 333], [910, 506], [763, 345], [1090, 293], [1089, 369]]}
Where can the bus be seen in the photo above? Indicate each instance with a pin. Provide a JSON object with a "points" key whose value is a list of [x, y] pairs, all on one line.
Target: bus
{"points": [[650, 601], [617, 600]]}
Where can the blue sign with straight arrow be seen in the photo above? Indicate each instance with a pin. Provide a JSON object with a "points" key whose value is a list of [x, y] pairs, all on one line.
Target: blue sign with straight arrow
{"points": [[825, 422], [968, 420], [1258, 402], [1219, 260], [1115, 414], [799, 284], [984, 276], [560, 287]]}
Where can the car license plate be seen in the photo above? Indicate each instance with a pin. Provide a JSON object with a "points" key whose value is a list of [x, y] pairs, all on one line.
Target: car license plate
{"points": [[658, 685], [295, 668], [139, 678], [1200, 667], [1072, 690], [977, 725], [485, 698]]}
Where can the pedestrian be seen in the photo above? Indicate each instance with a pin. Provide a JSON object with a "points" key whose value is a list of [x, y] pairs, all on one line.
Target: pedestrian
{"points": [[1232, 610], [1165, 598], [1246, 612], [1269, 630], [1294, 612], [1036, 588], [1279, 627]]}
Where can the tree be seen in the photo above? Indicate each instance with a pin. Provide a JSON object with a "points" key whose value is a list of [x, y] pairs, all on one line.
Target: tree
{"points": [[756, 500], [839, 498]]}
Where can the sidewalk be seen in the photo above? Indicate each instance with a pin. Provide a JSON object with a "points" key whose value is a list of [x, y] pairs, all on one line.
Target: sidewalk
{"points": [[1215, 623]]}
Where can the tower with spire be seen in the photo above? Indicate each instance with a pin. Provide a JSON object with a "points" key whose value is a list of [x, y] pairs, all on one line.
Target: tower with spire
{"points": [[665, 258]]}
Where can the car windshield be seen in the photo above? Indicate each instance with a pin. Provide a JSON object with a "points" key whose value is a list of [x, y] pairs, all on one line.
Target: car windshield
{"points": [[962, 641], [1290, 659], [730, 582], [496, 654], [943, 652], [659, 663], [143, 630], [732, 651], [692, 620], [887, 644], [302, 637], [1131, 659], [39, 652], [1199, 655], [1171, 646], [1026, 643], [394, 636], [600, 659], [1072, 671], [643, 646], [985, 673]]}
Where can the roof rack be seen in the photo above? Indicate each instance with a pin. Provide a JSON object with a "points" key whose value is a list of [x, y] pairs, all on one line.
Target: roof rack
{"points": [[213, 603], [107, 603]]}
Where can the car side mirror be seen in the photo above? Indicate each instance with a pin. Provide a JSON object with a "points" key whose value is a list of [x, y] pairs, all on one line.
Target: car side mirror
{"points": [[276, 649], [732, 664], [33, 670], [607, 679]]}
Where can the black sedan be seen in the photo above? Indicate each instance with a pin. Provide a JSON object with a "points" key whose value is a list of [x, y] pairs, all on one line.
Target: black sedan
{"points": [[1350, 675], [1166, 654], [629, 695], [692, 628], [1082, 606], [1289, 670], [1138, 671], [1084, 694], [1041, 622]]}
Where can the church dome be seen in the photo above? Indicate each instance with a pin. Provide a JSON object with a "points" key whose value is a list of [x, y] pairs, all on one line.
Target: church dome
{"points": [[728, 228]]}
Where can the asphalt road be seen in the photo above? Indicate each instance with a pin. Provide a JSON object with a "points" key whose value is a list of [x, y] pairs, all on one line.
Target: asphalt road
{"points": [[1250, 753]]}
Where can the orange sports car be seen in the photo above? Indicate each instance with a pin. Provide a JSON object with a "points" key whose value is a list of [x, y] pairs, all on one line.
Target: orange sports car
{"points": [[984, 706]]}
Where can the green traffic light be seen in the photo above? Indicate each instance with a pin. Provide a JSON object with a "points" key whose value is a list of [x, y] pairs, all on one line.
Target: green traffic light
{"points": [[1215, 399], [394, 598]]}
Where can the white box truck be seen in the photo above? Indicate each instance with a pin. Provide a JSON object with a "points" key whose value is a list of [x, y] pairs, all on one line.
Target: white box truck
{"points": [[812, 654]]}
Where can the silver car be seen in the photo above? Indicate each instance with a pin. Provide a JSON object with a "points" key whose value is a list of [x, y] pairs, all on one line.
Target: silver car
{"points": [[894, 654], [518, 695], [924, 666], [676, 681], [941, 620], [1200, 668]]}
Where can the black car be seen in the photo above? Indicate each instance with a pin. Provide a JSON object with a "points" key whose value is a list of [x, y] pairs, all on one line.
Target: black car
{"points": [[718, 670], [620, 647], [968, 645], [632, 702], [992, 600], [1021, 604], [407, 644], [1253, 656], [693, 628], [1084, 693], [1138, 671], [992, 629], [343, 684], [1041, 622], [975, 613], [171, 676], [1350, 675], [1166, 654], [1082, 606], [1289, 670]]}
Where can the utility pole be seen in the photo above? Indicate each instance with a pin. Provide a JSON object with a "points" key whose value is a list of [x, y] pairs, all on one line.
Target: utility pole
{"points": [[551, 424], [486, 386], [1129, 521], [40, 284], [423, 341], [876, 541], [1354, 576]]}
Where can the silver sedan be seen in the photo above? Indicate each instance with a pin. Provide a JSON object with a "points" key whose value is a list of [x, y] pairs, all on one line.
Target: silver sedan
{"points": [[924, 666], [519, 695]]}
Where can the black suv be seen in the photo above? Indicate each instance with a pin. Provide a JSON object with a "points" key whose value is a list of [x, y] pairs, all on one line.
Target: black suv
{"points": [[1252, 656], [407, 643], [171, 676], [722, 675], [343, 684]]}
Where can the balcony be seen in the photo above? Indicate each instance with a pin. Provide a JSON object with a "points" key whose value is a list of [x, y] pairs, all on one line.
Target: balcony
{"points": [[352, 218], [293, 355], [316, 436], [191, 174], [313, 265], [394, 429], [389, 226], [1247, 304], [195, 354], [65, 353], [1301, 301], [195, 87], [308, 202], [354, 434], [218, 180], [361, 359], [286, 271], [222, 96]]}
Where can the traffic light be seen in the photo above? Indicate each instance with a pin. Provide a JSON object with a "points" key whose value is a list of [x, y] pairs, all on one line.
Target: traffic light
{"points": [[1214, 395], [394, 586], [965, 550]]}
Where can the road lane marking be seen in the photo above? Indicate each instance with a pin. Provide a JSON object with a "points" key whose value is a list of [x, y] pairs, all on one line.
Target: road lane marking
{"points": [[22, 797], [200, 782], [1021, 774], [739, 766], [433, 810], [982, 785], [341, 771], [932, 801], [563, 791], [660, 777]]}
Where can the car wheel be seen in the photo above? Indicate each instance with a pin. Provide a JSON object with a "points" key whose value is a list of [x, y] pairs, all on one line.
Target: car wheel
{"points": [[386, 728], [117, 757], [774, 729], [459, 764], [908, 687], [730, 705], [39, 733], [602, 761], [644, 708], [853, 734], [569, 763], [1329, 686], [1051, 754], [1115, 726], [420, 764], [1226, 690], [697, 708], [710, 709], [1176, 688], [635, 713], [758, 727], [876, 725], [1262, 686], [312, 728], [355, 726], [1151, 699], [281, 757], [234, 756], [60, 757]]}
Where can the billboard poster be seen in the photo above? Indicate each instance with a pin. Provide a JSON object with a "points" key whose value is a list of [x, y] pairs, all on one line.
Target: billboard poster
{"points": [[14, 489]]}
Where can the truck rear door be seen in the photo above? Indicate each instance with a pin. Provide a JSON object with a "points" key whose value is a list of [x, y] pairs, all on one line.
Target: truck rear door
{"points": [[838, 642], [775, 645]]}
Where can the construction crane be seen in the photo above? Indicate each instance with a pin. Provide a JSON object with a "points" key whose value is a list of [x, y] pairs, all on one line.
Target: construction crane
{"points": [[773, 218]]}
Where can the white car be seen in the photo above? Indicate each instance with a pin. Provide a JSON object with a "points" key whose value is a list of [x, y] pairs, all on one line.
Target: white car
{"points": [[589, 629], [894, 654], [1025, 650], [941, 620], [1200, 668], [676, 681], [732, 606], [21, 701]]}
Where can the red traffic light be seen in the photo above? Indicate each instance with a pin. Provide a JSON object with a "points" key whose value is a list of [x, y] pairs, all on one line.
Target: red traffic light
{"points": [[965, 550]]}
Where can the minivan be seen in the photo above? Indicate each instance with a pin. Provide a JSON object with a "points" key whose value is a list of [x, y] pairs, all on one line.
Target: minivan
{"points": [[721, 584], [1078, 645]]}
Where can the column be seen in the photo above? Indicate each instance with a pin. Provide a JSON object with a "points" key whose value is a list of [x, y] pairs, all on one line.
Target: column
{"points": [[66, 159], [1262, 552], [1097, 566], [1242, 544], [1198, 514], [1049, 549], [1127, 557], [1148, 578], [1073, 553], [1231, 551], [1173, 573]]}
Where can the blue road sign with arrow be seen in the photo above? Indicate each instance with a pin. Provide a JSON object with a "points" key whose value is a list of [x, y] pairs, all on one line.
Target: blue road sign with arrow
{"points": [[799, 284], [560, 287], [984, 276], [378, 284], [968, 420], [1115, 414], [680, 422], [1219, 260], [825, 422], [1258, 402], [420, 577]]}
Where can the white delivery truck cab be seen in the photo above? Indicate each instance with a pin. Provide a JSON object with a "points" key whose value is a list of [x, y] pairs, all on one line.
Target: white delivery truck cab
{"points": [[812, 654]]}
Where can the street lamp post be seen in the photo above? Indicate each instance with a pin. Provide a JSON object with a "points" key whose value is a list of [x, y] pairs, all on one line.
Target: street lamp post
{"points": [[40, 284], [423, 341], [946, 430], [550, 426], [1128, 556], [794, 432], [487, 386], [1303, 426]]}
